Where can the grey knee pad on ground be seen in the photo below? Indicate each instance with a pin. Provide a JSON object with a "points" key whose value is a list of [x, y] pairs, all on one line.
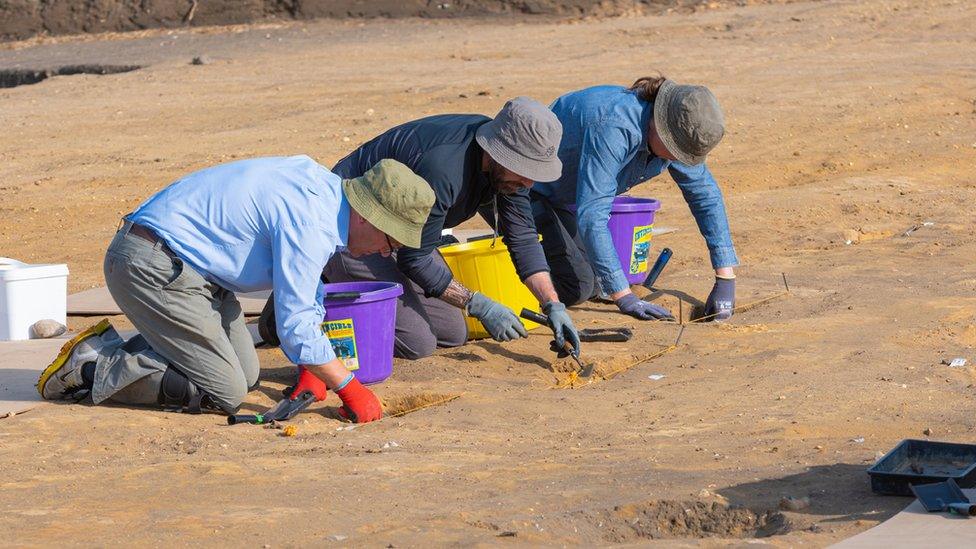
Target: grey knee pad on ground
{"points": [[176, 392]]}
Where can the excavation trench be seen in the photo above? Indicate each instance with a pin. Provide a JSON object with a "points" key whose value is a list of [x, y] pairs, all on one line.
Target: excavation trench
{"points": [[11, 78]]}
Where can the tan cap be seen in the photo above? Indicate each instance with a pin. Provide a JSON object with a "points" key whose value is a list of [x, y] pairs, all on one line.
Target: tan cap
{"points": [[393, 199]]}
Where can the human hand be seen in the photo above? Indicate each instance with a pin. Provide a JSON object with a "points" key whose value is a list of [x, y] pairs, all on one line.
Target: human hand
{"points": [[562, 326], [498, 319], [359, 404], [721, 300], [638, 308], [308, 382]]}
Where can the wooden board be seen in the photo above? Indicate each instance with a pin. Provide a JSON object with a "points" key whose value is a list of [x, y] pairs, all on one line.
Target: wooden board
{"points": [[21, 363], [914, 527], [97, 301]]}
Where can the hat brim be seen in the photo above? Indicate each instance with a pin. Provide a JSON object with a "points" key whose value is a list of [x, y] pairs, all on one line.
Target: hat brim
{"points": [[366, 205], [536, 170], [662, 110]]}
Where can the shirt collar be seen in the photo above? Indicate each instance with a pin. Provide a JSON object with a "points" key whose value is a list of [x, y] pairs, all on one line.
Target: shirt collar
{"points": [[645, 123], [342, 221]]}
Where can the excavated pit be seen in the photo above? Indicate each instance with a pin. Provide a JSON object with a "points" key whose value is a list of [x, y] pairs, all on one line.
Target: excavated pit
{"points": [[11, 78]]}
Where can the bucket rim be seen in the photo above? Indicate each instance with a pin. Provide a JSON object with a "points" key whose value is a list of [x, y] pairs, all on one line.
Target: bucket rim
{"points": [[625, 203], [480, 245], [370, 291]]}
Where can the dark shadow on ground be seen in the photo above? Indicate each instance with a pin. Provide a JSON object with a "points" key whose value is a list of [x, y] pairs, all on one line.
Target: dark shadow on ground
{"points": [[841, 491]]}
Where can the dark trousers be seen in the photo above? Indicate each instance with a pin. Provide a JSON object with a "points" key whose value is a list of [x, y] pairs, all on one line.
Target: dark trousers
{"points": [[569, 266], [422, 323]]}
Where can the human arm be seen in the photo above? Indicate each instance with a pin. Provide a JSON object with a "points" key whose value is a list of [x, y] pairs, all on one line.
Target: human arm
{"points": [[299, 250], [604, 153], [704, 198]]}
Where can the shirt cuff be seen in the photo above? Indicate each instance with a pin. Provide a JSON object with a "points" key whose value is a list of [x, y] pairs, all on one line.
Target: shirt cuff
{"points": [[316, 351], [723, 256], [616, 282]]}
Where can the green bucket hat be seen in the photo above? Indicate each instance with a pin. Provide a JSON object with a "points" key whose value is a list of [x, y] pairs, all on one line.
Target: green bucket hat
{"points": [[689, 121], [393, 199]]}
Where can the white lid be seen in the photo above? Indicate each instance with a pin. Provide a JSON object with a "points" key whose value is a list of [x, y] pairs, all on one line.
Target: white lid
{"points": [[11, 269]]}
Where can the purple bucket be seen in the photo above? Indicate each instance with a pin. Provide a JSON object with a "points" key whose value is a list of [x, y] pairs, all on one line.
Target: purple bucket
{"points": [[360, 319], [631, 221]]}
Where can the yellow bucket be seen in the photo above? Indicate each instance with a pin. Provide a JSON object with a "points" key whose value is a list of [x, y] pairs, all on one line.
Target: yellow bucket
{"points": [[488, 269]]}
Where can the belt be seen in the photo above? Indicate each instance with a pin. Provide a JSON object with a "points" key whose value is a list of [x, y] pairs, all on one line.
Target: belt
{"points": [[147, 234]]}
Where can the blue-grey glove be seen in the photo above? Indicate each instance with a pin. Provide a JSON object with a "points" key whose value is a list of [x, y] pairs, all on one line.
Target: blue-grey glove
{"points": [[562, 325], [638, 308], [498, 319], [721, 300]]}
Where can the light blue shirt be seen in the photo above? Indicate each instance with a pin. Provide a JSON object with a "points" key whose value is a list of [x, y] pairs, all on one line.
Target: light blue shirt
{"points": [[604, 152], [260, 224]]}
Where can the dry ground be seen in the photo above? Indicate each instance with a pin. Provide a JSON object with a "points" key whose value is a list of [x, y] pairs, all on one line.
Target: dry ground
{"points": [[848, 121]]}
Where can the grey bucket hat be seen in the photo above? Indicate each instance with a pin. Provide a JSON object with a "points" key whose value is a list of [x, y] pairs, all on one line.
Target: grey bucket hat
{"points": [[689, 121], [524, 138], [393, 199]]}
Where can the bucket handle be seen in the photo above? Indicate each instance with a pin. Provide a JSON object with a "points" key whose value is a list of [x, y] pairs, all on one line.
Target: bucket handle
{"points": [[494, 224]]}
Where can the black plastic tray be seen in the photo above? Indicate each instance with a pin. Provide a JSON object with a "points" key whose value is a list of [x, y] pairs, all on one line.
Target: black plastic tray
{"points": [[923, 462]]}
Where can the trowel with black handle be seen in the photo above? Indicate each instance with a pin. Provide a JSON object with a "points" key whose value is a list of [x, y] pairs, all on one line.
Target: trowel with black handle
{"points": [[586, 370]]}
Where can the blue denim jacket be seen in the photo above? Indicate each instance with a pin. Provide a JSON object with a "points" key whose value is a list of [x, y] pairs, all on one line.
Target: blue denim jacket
{"points": [[605, 152]]}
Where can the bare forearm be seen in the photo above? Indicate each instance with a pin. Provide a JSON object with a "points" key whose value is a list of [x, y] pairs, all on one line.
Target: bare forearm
{"points": [[540, 284], [332, 373], [456, 294]]}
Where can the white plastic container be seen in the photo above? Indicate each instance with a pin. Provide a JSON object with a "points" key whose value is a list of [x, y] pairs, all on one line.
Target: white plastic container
{"points": [[29, 293]]}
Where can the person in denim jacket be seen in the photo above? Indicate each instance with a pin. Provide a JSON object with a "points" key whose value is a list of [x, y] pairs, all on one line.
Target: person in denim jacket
{"points": [[614, 138]]}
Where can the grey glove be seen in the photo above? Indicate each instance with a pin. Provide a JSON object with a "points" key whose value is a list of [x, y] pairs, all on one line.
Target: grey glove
{"points": [[638, 308], [498, 319], [562, 325], [721, 300]]}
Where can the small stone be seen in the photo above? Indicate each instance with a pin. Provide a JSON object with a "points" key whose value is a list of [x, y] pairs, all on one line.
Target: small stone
{"points": [[927, 432], [781, 397], [370, 112], [201, 60], [790, 503], [337, 537], [47, 328]]}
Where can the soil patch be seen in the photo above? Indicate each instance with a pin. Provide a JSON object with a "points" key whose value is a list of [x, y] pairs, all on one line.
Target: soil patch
{"points": [[21, 19]]}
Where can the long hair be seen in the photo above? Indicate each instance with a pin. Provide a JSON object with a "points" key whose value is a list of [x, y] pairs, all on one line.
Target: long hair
{"points": [[646, 87]]}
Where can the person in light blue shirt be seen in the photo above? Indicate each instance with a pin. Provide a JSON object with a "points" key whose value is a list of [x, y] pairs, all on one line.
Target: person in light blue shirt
{"points": [[613, 139], [259, 224]]}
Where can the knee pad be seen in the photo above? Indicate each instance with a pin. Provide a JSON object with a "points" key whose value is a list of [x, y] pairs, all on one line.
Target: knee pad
{"points": [[178, 393], [266, 324]]}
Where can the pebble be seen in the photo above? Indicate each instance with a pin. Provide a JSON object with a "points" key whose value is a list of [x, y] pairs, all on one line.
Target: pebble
{"points": [[369, 112], [927, 432], [201, 60], [337, 537], [790, 503], [47, 328]]}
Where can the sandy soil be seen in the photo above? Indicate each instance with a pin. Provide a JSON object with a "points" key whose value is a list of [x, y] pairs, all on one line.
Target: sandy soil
{"points": [[848, 121]]}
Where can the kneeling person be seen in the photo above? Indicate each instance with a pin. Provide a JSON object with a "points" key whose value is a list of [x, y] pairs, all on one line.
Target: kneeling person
{"points": [[175, 263]]}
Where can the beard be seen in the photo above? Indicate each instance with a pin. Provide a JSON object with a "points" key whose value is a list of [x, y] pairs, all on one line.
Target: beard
{"points": [[498, 176]]}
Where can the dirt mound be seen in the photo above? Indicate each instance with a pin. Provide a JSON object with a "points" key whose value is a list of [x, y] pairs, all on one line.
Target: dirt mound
{"points": [[21, 19], [667, 519]]}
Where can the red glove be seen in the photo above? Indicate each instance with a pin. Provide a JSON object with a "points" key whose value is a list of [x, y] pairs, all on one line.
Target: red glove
{"points": [[307, 381], [359, 404]]}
